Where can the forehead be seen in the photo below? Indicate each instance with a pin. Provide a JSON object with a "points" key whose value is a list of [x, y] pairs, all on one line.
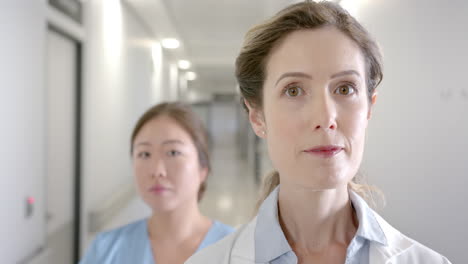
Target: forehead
{"points": [[162, 128], [325, 50]]}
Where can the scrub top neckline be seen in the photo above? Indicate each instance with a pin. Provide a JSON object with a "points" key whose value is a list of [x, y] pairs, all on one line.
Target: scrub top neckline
{"points": [[149, 250]]}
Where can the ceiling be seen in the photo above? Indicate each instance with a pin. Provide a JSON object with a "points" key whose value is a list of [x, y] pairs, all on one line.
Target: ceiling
{"points": [[211, 31]]}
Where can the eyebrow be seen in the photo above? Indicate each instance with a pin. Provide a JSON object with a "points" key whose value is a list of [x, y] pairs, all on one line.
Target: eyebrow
{"points": [[293, 74], [166, 142], [348, 72], [172, 141], [305, 75]]}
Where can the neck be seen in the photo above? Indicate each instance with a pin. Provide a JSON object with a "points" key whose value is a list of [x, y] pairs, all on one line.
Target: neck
{"points": [[177, 225], [326, 218]]}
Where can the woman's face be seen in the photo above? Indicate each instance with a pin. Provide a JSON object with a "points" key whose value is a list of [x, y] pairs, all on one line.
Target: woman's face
{"points": [[315, 108], [166, 165]]}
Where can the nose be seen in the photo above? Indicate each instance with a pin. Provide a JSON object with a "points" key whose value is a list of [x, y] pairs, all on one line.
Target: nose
{"points": [[158, 168], [324, 113]]}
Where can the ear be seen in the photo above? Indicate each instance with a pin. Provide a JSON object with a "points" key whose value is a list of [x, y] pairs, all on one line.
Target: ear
{"points": [[257, 120], [372, 103], [203, 174]]}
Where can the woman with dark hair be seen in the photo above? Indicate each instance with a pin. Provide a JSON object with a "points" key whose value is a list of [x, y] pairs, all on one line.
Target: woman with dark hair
{"points": [[169, 151], [308, 77]]}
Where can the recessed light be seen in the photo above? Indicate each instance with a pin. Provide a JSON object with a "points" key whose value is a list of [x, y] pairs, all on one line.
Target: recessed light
{"points": [[184, 64], [170, 43], [190, 76]]}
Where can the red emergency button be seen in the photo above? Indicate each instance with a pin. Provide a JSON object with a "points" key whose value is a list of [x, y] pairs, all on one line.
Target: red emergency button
{"points": [[30, 200]]}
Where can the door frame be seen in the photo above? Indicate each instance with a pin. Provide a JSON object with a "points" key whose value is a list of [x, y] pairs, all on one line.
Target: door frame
{"points": [[77, 146]]}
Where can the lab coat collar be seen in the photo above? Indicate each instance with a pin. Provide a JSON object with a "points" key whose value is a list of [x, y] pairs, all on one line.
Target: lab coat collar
{"points": [[380, 251], [397, 243]]}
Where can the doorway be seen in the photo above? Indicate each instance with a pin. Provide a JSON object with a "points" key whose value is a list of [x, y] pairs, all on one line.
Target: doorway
{"points": [[63, 84]]}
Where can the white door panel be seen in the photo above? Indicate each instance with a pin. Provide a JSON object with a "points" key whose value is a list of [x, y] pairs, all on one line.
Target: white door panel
{"points": [[61, 95]]}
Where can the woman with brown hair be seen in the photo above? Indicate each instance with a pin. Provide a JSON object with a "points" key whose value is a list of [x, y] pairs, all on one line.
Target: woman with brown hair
{"points": [[308, 77], [169, 149]]}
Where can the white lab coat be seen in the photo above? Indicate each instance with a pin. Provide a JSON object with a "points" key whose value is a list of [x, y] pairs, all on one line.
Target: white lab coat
{"points": [[238, 248]]}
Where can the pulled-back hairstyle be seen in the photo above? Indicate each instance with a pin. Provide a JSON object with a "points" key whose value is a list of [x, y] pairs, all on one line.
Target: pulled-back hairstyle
{"points": [[261, 39], [189, 121]]}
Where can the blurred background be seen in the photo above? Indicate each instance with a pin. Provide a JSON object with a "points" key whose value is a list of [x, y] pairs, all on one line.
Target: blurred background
{"points": [[75, 76]]}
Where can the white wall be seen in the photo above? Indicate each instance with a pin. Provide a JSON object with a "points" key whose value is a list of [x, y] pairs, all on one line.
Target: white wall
{"points": [[173, 81], [120, 83], [417, 140], [22, 111]]}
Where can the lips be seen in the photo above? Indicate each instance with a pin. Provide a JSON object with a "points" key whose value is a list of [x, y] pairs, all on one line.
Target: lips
{"points": [[325, 151], [158, 189]]}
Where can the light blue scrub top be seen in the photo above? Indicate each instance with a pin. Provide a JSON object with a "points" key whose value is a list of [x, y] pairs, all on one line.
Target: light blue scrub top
{"points": [[130, 244]]}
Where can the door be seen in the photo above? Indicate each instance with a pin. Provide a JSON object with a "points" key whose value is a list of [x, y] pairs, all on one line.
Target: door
{"points": [[62, 181]]}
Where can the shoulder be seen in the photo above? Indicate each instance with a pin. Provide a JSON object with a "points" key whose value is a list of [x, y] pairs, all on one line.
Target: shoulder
{"points": [[108, 244], [125, 233], [216, 253], [229, 249], [217, 232], [221, 229], [419, 253], [403, 249]]}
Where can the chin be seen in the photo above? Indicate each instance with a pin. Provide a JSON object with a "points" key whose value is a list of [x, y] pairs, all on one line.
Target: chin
{"points": [[161, 206], [324, 186]]}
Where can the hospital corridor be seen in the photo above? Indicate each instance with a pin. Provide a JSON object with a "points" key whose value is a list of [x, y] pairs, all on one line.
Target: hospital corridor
{"points": [[76, 76]]}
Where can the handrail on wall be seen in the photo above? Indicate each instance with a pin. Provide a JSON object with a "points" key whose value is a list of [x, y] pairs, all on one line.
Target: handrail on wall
{"points": [[100, 216]]}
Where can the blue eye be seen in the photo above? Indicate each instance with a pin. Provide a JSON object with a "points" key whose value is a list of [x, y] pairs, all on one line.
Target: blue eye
{"points": [[173, 153], [346, 89], [293, 91]]}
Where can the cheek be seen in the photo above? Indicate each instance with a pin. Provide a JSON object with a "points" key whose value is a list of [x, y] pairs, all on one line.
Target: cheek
{"points": [[183, 172], [355, 127], [140, 176], [358, 124], [354, 116], [282, 120], [283, 131], [140, 169]]}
